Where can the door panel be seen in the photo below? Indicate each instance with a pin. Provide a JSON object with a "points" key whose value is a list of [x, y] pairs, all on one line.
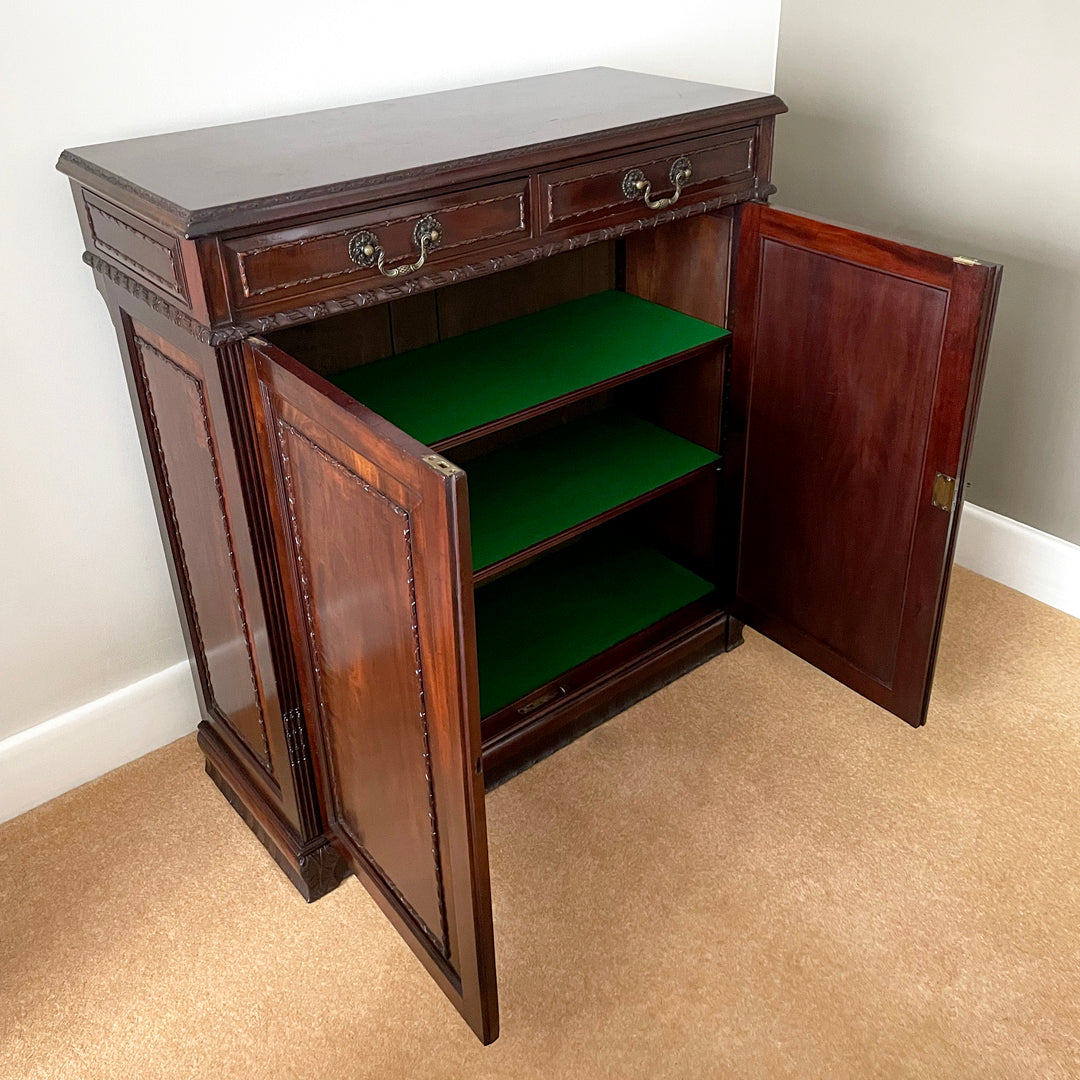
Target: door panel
{"points": [[856, 369], [374, 547]]}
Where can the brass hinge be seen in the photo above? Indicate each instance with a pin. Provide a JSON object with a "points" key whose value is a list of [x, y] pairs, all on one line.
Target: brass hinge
{"points": [[964, 261], [441, 465], [944, 492]]}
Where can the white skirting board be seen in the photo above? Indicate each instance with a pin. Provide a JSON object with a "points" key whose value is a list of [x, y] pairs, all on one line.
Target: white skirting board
{"points": [[45, 761], [77, 746], [1021, 557]]}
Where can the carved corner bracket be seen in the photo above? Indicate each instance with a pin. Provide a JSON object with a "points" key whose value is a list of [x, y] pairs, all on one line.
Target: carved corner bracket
{"points": [[155, 301]]}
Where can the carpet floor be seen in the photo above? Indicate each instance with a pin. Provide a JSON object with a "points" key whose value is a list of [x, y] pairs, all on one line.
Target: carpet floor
{"points": [[753, 873]]}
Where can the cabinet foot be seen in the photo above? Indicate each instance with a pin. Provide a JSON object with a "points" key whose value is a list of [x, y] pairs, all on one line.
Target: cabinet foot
{"points": [[734, 634], [315, 868]]}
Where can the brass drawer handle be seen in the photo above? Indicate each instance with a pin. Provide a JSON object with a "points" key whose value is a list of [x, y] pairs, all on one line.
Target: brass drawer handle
{"points": [[365, 249], [635, 184]]}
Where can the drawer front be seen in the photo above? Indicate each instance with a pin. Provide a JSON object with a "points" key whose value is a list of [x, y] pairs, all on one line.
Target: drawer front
{"points": [[314, 260], [593, 194]]}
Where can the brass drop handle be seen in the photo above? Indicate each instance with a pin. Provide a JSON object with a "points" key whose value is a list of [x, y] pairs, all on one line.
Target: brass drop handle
{"points": [[634, 184], [365, 249]]}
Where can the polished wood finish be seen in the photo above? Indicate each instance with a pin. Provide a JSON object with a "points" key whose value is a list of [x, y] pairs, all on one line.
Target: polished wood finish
{"points": [[137, 245], [688, 522], [302, 263], [187, 443], [684, 266], [373, 542], [323, 567], [257, 706], [592, 194], [262, 218], [374, 333], [236, 175], [857, 369], [472, 305]]}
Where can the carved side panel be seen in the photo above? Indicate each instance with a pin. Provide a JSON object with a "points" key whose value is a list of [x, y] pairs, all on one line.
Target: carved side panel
{"points": [[361, 616], [137, 245], [183, 438]]}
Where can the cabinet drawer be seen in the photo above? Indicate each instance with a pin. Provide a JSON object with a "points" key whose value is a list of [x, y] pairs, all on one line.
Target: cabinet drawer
{"points": [[600, 193], [315, 259]]}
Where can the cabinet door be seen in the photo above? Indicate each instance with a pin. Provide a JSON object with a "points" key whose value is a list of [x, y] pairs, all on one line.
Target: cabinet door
{"points": [[857, 364], [372, 538]]}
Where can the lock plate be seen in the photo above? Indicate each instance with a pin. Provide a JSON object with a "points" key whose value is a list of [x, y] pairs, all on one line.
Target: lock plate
{"points": [[441, 465]]}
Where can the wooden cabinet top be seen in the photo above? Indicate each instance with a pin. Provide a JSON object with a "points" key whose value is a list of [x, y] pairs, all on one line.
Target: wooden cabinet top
{"points": [[231, 176]]}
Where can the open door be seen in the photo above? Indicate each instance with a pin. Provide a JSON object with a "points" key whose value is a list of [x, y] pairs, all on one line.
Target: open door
{"points": [[857, 364], [371, 532]]}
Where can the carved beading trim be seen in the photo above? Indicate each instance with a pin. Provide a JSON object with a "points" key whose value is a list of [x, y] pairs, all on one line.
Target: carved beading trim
{"points": [[383, 291], [116, 253], [245, 439], [175, 286], [442, 942], [158, 303], [136, 232], [242, 255], [197, 635], [295, 739]]}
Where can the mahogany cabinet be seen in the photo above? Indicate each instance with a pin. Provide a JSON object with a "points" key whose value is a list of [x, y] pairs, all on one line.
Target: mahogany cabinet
{"points": [[474, 417]]}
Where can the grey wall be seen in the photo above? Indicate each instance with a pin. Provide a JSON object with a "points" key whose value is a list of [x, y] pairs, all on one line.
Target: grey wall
{"points": [[955, 124]]}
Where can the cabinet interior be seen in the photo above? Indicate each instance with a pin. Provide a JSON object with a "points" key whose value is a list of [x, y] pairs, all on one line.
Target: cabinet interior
{"points": [[582, 394]]}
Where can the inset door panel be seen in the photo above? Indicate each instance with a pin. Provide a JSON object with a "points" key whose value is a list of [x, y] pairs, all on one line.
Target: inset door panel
{"points": [[848, 422], [372, 538], [361, 610], [188, 460], [857, 364]]}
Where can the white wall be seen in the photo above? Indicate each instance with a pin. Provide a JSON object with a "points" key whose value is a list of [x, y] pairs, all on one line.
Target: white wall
{"points": [[85, 603], [957, 125]]}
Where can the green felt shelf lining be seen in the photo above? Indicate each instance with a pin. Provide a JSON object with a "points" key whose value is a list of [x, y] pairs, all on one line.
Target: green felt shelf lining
{"points": [[465, 382], [546, 618], [530, 491]]}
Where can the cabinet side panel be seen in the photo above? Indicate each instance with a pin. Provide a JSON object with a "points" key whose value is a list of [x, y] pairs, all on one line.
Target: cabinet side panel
{"points": [[183, 437], [194, 445], [684, 266]]}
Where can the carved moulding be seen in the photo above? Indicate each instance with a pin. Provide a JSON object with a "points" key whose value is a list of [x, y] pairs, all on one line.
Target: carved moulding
{"points": [[380, 293]]}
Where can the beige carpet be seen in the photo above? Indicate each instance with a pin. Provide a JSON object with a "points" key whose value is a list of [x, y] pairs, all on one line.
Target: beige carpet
{"points": [[751, 874]]}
